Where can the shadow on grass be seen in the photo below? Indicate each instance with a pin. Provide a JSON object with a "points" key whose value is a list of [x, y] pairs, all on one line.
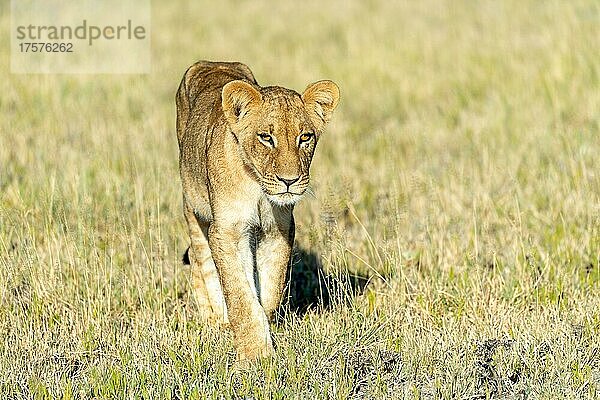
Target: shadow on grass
{"points": [[309, 287]]}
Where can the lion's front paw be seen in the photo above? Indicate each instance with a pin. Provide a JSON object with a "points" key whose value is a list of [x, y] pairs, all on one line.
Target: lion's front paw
{"points": [[254, 351]]}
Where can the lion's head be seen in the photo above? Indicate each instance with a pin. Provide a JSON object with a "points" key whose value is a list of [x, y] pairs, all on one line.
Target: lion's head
{"points": [[277, 130]]}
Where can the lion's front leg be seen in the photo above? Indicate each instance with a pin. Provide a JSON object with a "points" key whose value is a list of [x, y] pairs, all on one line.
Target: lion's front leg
{"points": [[273, 258], [230, 247]]}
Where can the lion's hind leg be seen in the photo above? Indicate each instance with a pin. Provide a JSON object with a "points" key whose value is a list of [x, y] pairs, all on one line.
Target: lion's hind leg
{"points": [[206, 286]]}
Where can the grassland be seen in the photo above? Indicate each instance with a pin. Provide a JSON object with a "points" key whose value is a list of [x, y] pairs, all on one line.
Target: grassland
{"points": [[460, 177]]}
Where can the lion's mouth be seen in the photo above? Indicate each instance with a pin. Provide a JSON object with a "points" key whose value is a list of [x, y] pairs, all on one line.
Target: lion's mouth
{"points": [[287, 193], [285, 198]]}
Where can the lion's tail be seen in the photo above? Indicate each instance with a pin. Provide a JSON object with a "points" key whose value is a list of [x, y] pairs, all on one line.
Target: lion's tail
{"points": [[186, 257]]}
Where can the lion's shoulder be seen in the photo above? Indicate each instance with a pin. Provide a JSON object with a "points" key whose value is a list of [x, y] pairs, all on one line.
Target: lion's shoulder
{"points": [[200, 88]]}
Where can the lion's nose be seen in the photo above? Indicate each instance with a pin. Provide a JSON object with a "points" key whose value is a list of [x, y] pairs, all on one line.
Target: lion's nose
{"points": [[288, 181]]}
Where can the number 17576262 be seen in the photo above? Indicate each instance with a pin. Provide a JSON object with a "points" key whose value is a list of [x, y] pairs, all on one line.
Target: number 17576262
{"points": [[46, 47]]}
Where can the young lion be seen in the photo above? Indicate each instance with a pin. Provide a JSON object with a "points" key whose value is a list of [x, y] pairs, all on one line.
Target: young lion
{"points": [[245, 152]]}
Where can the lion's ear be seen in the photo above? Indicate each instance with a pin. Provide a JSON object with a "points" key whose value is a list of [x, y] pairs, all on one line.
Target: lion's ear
{"points": [[237, 98], [321, 98]]}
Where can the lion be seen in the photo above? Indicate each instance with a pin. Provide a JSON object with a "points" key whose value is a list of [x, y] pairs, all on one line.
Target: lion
{"points": [[245, 153]]}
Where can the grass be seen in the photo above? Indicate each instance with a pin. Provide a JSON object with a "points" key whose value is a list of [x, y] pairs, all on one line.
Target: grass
{"points": [[460, 176]]}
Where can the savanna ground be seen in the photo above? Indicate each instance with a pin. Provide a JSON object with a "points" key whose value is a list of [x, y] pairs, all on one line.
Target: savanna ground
{"points": [[460, 177]]}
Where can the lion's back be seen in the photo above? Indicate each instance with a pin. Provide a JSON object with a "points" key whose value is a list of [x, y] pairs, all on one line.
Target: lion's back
{"points": [[199, 113]]}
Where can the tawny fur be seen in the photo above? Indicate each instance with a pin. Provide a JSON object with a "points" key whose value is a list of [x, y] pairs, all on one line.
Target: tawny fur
{"points": [[245, 153]]}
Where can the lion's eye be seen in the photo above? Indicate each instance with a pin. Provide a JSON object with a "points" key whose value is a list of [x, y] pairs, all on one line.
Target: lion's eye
{"points": [[266, 139], [305, 137]]}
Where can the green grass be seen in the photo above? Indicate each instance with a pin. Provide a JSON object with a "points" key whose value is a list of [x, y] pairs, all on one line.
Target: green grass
{"points": [[460, 175]]}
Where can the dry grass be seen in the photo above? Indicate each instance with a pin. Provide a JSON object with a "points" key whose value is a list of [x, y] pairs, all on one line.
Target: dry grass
{"points": [[460, 175]]}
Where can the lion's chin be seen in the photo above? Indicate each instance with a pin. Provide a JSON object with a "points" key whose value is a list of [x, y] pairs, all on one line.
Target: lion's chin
{"points": [[284, 199]]}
